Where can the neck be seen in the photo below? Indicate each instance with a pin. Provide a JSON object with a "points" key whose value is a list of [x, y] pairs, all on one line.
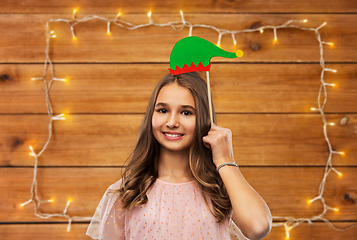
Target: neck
{"points": [[174, 166]]}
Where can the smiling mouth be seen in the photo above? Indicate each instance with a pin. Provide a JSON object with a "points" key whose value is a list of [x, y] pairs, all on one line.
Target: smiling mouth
{"points": [[173, 136]]}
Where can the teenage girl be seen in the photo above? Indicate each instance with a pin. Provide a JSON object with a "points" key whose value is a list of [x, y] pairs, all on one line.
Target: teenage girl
{"points": [[181, 181]]}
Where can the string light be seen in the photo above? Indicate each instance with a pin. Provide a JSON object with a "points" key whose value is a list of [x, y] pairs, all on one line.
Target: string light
{"points": [[74, 13], [275, 35], [150, 19], [108, 28], [72, 31], [328, 43], [287, 231], [219, 39], [182, 17], [288, 222], [234, 39], [330, 84]]}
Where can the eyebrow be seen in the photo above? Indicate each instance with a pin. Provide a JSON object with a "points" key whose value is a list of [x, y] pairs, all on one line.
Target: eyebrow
{"points": [[183, 106], [188, 106]]}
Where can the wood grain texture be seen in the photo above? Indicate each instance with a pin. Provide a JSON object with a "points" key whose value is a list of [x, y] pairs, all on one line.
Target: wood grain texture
{"points": [[94, 45], [108, 139], [126, 88], [285, 189], [264, 97], [192, 6]]}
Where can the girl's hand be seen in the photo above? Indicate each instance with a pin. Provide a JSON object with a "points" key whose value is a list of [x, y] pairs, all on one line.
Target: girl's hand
{"points": [[220, 141]]}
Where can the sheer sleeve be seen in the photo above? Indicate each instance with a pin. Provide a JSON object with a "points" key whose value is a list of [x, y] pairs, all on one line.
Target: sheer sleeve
{"points": [[108, 221], [235, 233]]}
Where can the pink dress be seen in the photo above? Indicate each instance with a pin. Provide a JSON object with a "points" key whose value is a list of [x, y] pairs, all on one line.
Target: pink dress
{"points": [[173, 211]]}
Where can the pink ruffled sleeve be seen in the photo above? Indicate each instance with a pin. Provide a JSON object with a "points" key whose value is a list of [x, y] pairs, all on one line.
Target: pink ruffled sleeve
{"points": [[108, 221]]}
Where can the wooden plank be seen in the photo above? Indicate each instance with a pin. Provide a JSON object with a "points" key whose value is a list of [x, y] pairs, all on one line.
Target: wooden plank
{"points": [[96, 137], [77, 232], [154, 44], [107, 140], [135, 6], [285, 189], [126, 88]]}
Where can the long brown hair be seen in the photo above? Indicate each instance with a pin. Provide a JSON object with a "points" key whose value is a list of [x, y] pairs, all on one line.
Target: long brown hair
{"points": [[142, 168]]}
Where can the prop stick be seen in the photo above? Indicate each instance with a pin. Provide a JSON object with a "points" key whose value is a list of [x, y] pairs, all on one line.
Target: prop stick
{"points": [[209, 97]]}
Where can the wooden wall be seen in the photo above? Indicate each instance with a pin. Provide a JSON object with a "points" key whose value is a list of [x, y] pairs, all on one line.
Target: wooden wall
{"points": [[265, 98]]}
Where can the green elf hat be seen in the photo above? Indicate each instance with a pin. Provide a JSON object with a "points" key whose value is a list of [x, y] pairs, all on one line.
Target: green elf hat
{"points": [[191, 54]]}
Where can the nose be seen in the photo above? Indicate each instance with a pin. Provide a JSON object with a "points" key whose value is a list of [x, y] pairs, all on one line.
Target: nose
{"points": [[173, 121]]}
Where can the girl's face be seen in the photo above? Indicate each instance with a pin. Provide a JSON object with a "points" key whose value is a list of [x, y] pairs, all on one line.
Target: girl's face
{"points": [[174, 118]]}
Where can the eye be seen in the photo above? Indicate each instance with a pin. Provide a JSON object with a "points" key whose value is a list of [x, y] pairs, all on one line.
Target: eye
{"points": [[162, 110], [187, 113]]}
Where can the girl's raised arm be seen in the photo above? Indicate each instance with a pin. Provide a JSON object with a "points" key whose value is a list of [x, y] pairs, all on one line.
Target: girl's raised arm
{"points": [[250, 212]]}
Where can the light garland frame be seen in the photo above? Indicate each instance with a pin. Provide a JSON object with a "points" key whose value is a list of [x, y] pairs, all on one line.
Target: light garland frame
{"points": [[287, 222]]}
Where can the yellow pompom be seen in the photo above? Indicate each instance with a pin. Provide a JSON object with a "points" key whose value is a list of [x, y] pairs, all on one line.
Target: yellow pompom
{"points": [[239, 53]]}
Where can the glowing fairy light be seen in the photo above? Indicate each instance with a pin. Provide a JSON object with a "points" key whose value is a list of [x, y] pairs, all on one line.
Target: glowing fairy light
{"points": [[219, 40], [108, 28], [341, 153], [182, 17], [288, 222], [287, 231], [149, 15], [75, 13], [72, 31], [52, 34], [275, 35], [328, 43], [234, 39], [32, 153], [66, 208], [338, 173]]}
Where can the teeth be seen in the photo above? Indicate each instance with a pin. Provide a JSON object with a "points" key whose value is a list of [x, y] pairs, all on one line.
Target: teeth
{"points": [[173, 135]]}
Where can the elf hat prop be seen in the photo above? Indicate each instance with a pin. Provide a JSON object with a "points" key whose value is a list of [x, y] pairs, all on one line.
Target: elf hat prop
{"points": [[192, 54]]}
